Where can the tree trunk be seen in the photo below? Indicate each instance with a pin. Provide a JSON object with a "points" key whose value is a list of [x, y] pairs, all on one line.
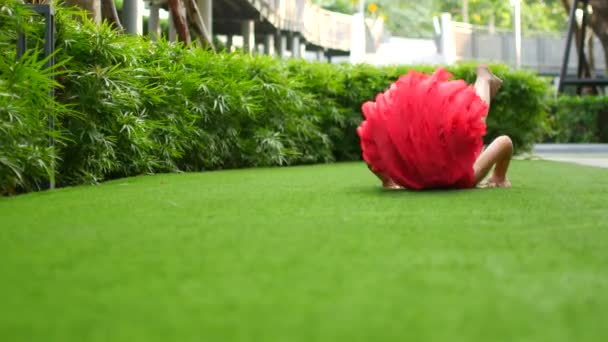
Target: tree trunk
{"points": [[179, 21], [109, 13], [587, 72], [599, 24], [194, 16]]}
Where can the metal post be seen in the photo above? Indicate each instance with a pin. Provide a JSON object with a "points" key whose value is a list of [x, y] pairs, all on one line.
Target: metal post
{"points": [[21, 44], [49, 50], [48, 11]]}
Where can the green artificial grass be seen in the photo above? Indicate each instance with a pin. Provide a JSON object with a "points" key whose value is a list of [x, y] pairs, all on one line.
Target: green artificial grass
{"points": [[314, 253]]}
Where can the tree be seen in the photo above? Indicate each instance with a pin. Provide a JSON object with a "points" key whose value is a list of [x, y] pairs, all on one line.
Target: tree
{"points": [[195, 19], [193, 16], [599, 24], [106, 10], [109, 13], [598, 21], [177, 11]]}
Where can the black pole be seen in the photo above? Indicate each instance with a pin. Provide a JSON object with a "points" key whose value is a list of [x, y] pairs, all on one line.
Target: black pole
{"points": [[21, 44], [48, 12], [49, 50], [564, 71]]}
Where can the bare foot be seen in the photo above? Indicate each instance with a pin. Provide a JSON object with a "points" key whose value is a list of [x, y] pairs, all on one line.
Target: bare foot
{"points": [[494, 182], [391, 185], [483, 72]]}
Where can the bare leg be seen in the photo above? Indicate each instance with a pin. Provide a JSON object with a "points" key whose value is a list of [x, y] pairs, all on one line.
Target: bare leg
{"points": [[498, 153], [486, 85]]}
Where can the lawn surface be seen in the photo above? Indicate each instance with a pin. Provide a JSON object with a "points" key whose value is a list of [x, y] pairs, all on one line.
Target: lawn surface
{"points": [[316, 253]]}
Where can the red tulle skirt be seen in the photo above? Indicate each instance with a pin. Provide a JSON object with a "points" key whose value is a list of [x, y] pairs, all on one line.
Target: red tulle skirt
{"points": [[424, 132]]}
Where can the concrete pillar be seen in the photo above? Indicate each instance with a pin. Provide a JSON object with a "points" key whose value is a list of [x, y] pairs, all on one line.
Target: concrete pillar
{"points": [[302, 50], [281, 45], [517, 29], [269, 45], [132, 20], [172, 32], [357, 38], [295, 45], [248, 32], [229, 43], [320, 55], [448, 48], [206, 9], [154, 22]]}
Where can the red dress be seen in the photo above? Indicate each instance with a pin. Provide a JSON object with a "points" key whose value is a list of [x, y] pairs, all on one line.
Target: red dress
{"points": [[424, 132]]}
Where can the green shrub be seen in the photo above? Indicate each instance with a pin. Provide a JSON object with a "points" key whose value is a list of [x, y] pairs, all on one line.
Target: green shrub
{"points": [[576, 119], [26, 159], [518, 110], [142, 107]]}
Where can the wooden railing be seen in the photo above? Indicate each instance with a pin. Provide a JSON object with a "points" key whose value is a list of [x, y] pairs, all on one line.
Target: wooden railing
{"points": [[318, 26]]}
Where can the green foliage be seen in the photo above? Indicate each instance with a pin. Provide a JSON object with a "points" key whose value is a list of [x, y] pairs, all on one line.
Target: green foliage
{"points": [[148, 107], [138, 107], [517, 111], [26, 159], [414, 18], [342, 6], [574, 119], [519, 108]]}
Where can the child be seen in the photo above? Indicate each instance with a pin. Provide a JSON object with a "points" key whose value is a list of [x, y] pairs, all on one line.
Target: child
{"points": [[426, 132]]}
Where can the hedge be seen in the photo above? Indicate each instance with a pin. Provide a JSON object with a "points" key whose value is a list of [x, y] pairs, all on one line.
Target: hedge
{"points": [[127, 106], [576, 119]]}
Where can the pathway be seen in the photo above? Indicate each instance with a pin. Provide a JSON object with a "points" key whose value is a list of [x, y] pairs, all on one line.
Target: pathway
{"points": [[584, 154]]}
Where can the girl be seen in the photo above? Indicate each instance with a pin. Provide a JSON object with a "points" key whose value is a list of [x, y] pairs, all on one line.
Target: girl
{"points": [[426, 132]]}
